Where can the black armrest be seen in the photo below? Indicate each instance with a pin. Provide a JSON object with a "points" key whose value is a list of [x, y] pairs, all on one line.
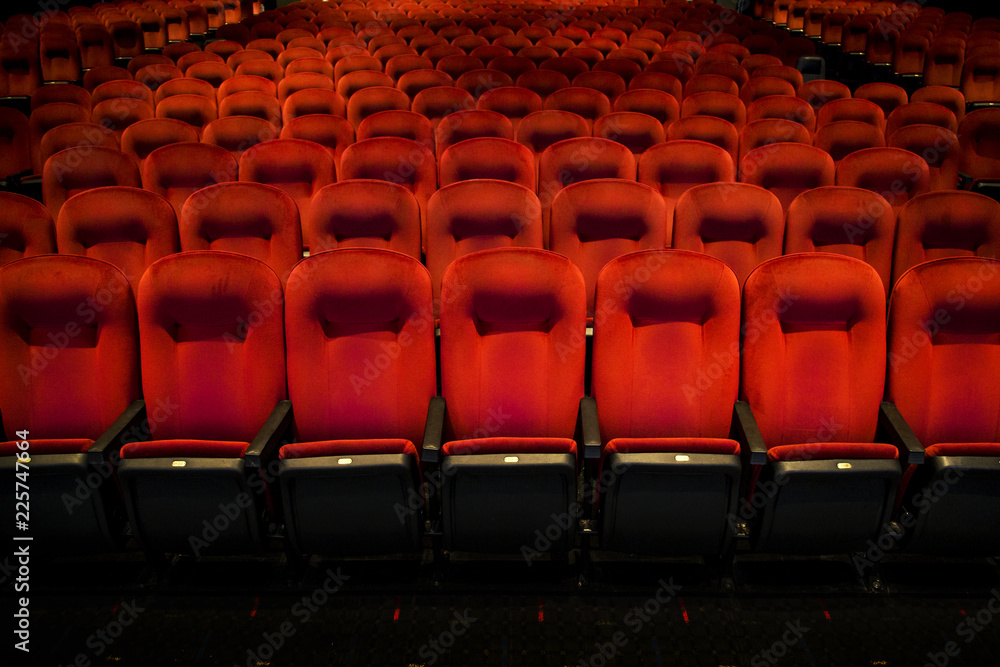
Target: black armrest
{"points": [[110, 442], [433, 430], [964, 181], [745, 431], [269, 435], [18, 177], [588, 430], [900, 434]]}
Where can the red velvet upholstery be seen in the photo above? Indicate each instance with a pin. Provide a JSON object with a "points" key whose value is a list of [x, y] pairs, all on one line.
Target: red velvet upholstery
{"points": [[246, 82], [820, 91], [252, 103], [946, 224], [832, 450], [896, 174], [512, 306], [70, 135], [978, 145], [666, 352], [787, 169], [195, 110], [844, 137], [991, 449], [360, 348], [50, 446], [783, 106], [212, 345], [396, 160], [813, 360], [15, 149], [920, 113], [60, 92], [301, 81], [437, 102], [25, 228], [313, 101], [474, 215], [363, 213], [862, 111], [348, 448], [512, 101], [127, 227], [943, 354], [332, 132], [769, 131], [741, 224], [659, 104], [541, 129], [413, 82], [298, 167], [46, 117], [238, 133], [946, 96], [143, 137], [487, 157], [75, 170], [597, 220], [397, 123], [182, 449], [716, 104], [372, 100], [543, 81], [763, 86], [587, 103], [636, 131], [676, 445], [888, 96], [710, 129], [981, 77], [847, 221], [178, 170], [247, 218], [69, 366], [509, 445], [470, 124], [937, 146]]}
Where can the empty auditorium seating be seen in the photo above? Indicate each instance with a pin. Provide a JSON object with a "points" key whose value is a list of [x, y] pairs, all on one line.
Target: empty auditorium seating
{"points": [[473, 215], [177, 170], [665, 434], [981, 78], [587, 103], [296, 166], [771, 131], [46, 117], [818, 421], [252, 103], [675, 166], [941, 379], [246, 218], [487, 157], [945, 224], [467, 124], [25, 228], [74, 170], [541, 129], [887, 96], [896, 174], [820, 91], [195, 110], [210, 349], [394, 159], [946, 96], [843, 220], [636, 131], [852, 109], [844, 137], [77, 406], [143, 137], [505, 478], [711, 129], [124, 226], [355, 437], [916, 113], [363, 213], [937, 146], [979, 151], [437, 102], [597, 220], [787, 169], [784, 107], [69, 135], [741, 224]]}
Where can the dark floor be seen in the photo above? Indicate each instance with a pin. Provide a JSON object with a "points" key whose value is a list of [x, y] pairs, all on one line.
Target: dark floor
{"points": [[111, 612]]}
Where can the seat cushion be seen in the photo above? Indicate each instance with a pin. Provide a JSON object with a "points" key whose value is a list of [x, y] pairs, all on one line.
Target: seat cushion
{"points": [[347, 448], [832, 450], [510, 446], [940, 449], [52, 446], [219, 449], [672, 445]]}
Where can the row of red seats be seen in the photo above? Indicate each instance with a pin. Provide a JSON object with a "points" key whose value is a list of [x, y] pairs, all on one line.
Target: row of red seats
{"points": [[590, 222], [712, 412]]}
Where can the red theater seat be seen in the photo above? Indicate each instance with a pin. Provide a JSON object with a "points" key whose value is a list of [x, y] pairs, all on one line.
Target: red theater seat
{"points": [[787, 169], [362, 213], [25, 228], [178, 170], [75, 170]]}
